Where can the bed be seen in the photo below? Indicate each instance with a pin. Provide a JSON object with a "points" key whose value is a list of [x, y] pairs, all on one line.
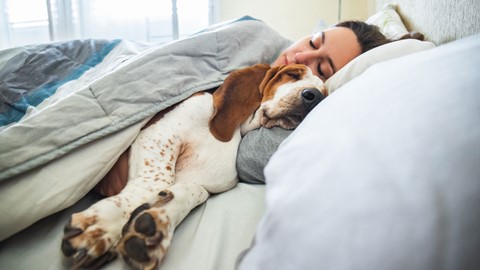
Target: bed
{"points": [[393, 184]]}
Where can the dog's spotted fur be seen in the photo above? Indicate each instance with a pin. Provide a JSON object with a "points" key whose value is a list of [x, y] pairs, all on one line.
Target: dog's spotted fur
{"points": [[175, 164]]}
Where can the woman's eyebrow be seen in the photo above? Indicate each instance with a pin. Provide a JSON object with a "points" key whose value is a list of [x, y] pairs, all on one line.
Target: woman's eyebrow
{"points": [[324, 38]]}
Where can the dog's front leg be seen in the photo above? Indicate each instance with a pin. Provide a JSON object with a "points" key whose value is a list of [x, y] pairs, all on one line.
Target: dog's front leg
{"points": [[90, 236], [148, 234]]}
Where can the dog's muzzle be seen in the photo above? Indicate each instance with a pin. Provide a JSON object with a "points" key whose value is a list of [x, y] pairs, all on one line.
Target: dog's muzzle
{"points": [[311, 97]]}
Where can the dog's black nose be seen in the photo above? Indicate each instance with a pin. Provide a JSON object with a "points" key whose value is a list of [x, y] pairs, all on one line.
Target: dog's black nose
{"points": [[311, 97]]}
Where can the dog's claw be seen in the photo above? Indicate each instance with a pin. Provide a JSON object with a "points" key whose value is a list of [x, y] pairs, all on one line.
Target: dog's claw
{"points": [[69, 231], [67, 248], [80, 256], [165, 197], [81, 259], [86, 242], [102, 260], [72, 232]]}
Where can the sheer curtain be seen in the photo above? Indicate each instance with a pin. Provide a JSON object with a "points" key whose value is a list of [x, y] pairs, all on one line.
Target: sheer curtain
{"points": [[34, 21]]}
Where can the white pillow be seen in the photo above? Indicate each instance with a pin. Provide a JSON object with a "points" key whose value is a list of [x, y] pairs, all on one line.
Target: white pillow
{"points": [[389, 22], [382, 53]]}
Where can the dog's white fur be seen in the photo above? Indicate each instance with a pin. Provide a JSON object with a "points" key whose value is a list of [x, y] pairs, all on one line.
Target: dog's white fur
{"points": [[174, 165]]}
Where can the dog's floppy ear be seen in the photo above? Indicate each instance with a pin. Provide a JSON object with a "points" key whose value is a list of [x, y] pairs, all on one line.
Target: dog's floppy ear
{"points": [[236, 99], [268, 78]]}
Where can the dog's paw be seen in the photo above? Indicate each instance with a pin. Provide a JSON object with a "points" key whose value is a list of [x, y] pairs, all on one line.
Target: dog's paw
{"points": [[88, 241], [147, 235]]}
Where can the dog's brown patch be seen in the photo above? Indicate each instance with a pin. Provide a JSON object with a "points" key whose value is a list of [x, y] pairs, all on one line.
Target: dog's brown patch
{"points": [[100, 247]]}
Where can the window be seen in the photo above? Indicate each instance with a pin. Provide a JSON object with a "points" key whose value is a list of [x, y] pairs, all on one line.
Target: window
{"points": [[35, 21]]}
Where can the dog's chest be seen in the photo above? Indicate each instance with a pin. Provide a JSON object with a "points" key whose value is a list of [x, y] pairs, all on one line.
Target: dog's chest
{"points": [[175, 141]]}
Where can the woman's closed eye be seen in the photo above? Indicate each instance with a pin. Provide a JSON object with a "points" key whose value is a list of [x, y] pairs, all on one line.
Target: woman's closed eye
{"points": [[319, 67], [319, 70]]}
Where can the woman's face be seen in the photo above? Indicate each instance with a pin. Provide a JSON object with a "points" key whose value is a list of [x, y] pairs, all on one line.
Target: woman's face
{"points": [[324, 53]]}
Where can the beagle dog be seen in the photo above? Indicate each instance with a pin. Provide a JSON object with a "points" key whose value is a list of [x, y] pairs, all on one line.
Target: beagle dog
{"points": [[185, 154]]}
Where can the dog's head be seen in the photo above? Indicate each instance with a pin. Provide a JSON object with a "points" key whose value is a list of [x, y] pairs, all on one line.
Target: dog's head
{"points": [[260, 95]]}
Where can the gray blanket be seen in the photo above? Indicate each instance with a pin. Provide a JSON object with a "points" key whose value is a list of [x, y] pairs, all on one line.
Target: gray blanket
{"points": [[138, 88]]}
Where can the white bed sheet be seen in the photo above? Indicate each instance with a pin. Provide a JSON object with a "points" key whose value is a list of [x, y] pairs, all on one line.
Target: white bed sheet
{"points": [[211, 236]]}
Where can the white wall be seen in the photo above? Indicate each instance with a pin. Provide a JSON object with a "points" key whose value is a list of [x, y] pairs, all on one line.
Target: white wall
{"points": [[294, 19]]}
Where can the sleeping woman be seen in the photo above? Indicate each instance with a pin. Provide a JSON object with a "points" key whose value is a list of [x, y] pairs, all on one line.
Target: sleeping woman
{"points": [[325, 53]]}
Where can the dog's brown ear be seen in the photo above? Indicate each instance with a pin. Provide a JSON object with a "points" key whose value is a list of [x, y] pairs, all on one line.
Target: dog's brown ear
{"points": [[236, 99], [268, 78]]}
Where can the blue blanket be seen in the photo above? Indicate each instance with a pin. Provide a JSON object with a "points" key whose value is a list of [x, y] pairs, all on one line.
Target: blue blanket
{"points": [[35, 73]]}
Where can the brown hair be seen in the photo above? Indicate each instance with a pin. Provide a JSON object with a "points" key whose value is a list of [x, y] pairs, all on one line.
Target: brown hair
{"points": [[369, 36]]}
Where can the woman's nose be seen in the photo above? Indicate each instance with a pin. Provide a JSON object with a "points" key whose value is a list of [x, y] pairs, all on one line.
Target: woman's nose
{"points": [[305, 58]]}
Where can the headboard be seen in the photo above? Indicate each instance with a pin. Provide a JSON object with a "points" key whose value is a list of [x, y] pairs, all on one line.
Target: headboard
{"points": [[440, 21]]}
